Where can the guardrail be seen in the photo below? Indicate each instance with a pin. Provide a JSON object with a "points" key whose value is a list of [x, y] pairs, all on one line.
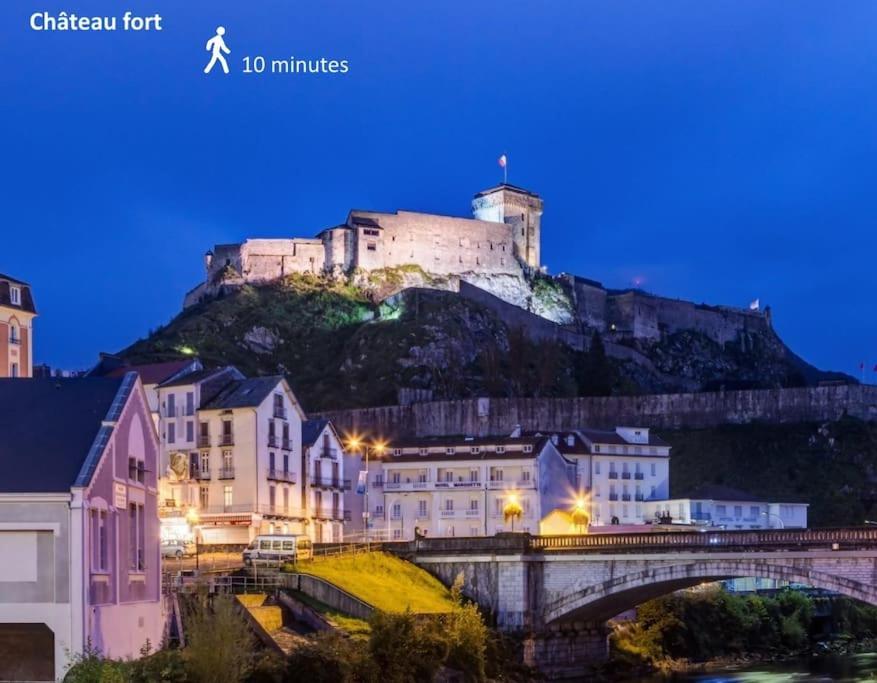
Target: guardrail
{"points": [[653, 541]]}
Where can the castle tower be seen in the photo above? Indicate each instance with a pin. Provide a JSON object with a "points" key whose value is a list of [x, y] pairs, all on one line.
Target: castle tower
{"points": [[518, 208]]}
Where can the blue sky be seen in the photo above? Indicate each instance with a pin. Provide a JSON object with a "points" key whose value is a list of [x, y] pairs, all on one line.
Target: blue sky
{"points": [[718, 150]]}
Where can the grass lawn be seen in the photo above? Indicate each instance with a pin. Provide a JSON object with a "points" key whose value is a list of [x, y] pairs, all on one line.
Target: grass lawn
{"points": [[384, 581]]}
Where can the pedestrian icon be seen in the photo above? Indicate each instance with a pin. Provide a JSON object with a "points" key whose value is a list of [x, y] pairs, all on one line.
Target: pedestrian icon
{"points": [[217, 46]]}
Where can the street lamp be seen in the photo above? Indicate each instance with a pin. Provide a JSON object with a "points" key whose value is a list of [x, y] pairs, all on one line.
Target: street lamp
{"points": [[580, 516], [192, 518], [354, 444], [512, 509]]}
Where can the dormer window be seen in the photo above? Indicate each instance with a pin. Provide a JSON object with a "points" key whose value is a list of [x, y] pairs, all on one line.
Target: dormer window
{"points": [[528, 449], [450, 451], [15, 295], [500, 449], [475, 450], [397, 451], [424, 451]]}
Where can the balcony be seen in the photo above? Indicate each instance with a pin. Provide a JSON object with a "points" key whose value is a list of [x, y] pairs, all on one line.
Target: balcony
{"points": [[347, 516], [331, 453], [226, 473], [280, 411], [625, 475], [519, 484], [473, 513], [15, 341], [613, 496], [226, 440], [281, 475], [639, 476], [613, 475], [625, 497], [639, 498], [701, 516], [203, 441], [447, 513], [202, 475], [272, 441], [335, 483], [286, 444]]}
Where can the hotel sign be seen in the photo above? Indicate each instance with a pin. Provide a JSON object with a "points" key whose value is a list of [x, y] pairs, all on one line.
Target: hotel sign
{"points": [[120, 496]]}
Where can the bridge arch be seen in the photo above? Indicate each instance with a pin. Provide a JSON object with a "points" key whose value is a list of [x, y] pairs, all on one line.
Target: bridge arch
{"points": [[589, 601]]}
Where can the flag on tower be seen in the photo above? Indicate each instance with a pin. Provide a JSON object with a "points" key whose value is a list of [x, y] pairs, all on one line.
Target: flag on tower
{"points": [[503, 164], [502, 161], [755, 305]]}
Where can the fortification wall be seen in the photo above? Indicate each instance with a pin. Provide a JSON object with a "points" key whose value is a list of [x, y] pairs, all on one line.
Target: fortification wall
{"points": [[659, 411], [441, 245]]}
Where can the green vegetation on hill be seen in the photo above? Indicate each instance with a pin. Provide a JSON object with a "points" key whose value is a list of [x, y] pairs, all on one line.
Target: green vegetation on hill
{"points": [[384, 581], [831, 466]]}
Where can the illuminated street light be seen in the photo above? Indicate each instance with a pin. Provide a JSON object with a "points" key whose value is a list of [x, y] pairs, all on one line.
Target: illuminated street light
{"points": [[512, 510]]}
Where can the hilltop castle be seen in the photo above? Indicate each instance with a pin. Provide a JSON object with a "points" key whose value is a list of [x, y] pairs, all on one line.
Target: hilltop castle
{"points": [[496, 251]]}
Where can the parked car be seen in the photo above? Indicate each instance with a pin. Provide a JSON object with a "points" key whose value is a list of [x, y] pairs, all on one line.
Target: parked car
{"points": [[269, 548], [177, 549]]}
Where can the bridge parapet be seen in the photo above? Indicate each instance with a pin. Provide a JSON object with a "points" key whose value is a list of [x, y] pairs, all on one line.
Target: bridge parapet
{"points": [[850, 538]]}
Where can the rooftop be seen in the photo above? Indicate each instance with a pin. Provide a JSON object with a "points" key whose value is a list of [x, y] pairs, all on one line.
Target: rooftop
{"points": [[153, 373], [512, 447], [311, 430], [506, 186], [26, 304], [49, 428], [605, 436], [243, 393]]}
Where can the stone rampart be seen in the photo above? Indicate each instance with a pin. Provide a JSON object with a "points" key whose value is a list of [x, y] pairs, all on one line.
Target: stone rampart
{"points": [[480, 416]]}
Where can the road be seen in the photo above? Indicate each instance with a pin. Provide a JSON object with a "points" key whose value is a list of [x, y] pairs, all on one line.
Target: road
{"points": [[206, 561]]}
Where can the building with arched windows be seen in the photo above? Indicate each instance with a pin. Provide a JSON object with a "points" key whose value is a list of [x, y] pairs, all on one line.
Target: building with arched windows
{"points": [[17, 312]]}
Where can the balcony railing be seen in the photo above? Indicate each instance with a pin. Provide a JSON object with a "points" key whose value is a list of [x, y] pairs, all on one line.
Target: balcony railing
{"points": [[203, 441], [447, 513], [335, 483], [613, 475], [280, 411], [473, 513], [281, 475], [226, 440], [202, 474], [226, 473], [639, 497], [613, 496], [286, 444], [625, 475], [15, 341], [272, 441], [329, 453], [625, 497], [519, 484]]}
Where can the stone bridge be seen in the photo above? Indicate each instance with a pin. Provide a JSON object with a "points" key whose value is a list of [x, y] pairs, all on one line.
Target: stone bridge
{"points": [[558, 591]]}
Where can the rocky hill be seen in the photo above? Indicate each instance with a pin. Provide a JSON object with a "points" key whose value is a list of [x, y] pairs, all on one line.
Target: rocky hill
{"points": [[375, 340]]}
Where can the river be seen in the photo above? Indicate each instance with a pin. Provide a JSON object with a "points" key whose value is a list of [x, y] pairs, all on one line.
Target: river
{"points": [[848, 668]]}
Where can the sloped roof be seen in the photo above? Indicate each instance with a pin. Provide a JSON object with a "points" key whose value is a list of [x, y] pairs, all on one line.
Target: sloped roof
{"points": [[27, 303], [243, 393], [311, 430], [153, 373], [49, 428], [192, 377], [614, 438]]}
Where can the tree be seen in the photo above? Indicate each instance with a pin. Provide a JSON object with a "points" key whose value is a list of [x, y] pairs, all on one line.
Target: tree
{"points": [[512, 510], [596, 374], [219, 646]]}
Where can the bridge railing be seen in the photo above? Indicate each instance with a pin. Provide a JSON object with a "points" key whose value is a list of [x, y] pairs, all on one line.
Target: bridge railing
{"points": [[656, 541]]}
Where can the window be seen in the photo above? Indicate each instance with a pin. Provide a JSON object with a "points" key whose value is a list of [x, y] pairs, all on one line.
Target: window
{"points": [[171, 432], [397, 451], [475, 450], [227, 438], [204, 497], [171, 405], [450, 451], [596, 467], [496, 474], [136, 469], [13, 334], [190, 431], [421, 508], [500, 449], [285, 463], [525, 475], [721, 510], [205, 463], [379, 509], [15, 296], [371, 246], [738, 511], [473, 504], [423, 451], [13, 370], [528, 449], [136, 536], [272, 497], [226, 496], [473, 475], [652, 491], [654, 469], [271, 462], [397, 510], [286, 499], [190, 403], [397, 534], [371, 232], [753, 511], [227, 459], [99, 560]]}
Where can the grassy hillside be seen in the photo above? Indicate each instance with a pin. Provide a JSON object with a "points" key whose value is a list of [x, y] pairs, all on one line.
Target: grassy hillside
{"points": [[384, 581], [832, 466]]}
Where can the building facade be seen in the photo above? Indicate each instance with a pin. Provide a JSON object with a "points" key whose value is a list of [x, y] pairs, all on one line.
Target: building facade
{"points": [[729, 508], [461, 486], [17, 312], [79, 526], [324, 484]]}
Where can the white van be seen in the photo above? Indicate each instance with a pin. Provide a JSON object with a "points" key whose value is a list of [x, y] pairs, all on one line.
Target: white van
{"points": [[281, 548]]}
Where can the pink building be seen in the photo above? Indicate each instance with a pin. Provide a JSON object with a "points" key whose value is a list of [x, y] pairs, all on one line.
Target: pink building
{"points": [[79, 529]]}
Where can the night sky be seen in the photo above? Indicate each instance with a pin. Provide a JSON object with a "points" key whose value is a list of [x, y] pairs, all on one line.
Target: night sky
{"points": [[715, 151]]}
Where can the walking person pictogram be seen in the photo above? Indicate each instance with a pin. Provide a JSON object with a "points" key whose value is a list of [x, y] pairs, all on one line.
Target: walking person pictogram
{"points": [[217, 45]]}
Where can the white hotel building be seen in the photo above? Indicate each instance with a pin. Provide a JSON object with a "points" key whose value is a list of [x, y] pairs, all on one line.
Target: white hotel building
{"points": [[459, 486]]}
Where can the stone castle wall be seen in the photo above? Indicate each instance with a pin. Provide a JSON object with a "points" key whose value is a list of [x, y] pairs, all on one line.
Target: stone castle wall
{"points": [[481, 416]]}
